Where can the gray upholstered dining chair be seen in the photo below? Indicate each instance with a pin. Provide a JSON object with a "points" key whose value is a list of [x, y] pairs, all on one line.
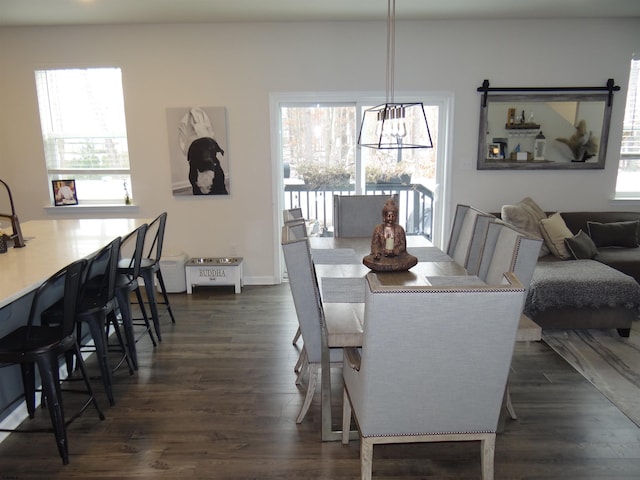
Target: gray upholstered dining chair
{"points": [[464, 346], [358, 215], [509, 250], [467, 237], [297, 229], [310, 312]]}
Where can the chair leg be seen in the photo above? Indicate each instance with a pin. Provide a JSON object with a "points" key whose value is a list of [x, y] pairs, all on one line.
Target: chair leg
{"points": [[124, 304], [301, 365], [145, 317], [85, 376], [29, 385], [164, 295], [314, 370], [509, 405], [488, 446], [366, 458], [296, 336], [113, 321], [346, 418], [149, 288], [96, 327], [48, 368]]}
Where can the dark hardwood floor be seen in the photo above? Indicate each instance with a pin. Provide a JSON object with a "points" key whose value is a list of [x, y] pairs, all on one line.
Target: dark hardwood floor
{"points": [[217, 400]]}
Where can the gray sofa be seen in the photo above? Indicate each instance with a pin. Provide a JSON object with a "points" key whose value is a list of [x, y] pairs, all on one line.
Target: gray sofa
{"points": [[598, 292]]}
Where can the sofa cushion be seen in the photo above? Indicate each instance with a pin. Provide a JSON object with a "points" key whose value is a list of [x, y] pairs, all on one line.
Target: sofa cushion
{"points": [[581, 246], [626, 260], [577, 221], [615, 234], [555, 231], [526, 216]]}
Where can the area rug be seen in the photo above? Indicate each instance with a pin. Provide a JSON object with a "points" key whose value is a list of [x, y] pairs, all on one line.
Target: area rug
{"points": [[610, 362]]}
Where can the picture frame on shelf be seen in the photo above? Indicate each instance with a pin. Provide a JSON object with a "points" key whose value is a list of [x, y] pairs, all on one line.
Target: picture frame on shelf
{"points": [[494, 151]]}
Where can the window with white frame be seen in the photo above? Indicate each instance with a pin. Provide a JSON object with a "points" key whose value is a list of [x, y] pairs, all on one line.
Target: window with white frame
{"points": [[319, 157], [628, 183], [84, 132]]}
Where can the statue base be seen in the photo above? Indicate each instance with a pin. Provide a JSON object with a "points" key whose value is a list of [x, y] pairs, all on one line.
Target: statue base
{"points": [[399, 263]]}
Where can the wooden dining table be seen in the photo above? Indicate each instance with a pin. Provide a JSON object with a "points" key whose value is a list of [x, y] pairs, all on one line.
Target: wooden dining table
{"points": [[341, 278], [50, 245]]}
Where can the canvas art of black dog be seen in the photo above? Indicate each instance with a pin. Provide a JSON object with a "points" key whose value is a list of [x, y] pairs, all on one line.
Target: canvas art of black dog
{"points": [[205, 173]]}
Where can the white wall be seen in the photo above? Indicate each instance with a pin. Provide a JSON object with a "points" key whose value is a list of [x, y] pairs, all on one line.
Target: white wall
{"points": [[239, 65]]}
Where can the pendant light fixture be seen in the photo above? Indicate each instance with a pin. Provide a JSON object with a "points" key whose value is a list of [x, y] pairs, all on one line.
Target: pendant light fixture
{"points": [[394, 125]]}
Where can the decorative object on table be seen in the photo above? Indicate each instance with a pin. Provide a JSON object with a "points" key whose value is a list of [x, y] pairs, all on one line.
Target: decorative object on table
{"points": [[64, 192], [389, 244], [582, 144], [393, 125], [198, 150], [16, 235]]}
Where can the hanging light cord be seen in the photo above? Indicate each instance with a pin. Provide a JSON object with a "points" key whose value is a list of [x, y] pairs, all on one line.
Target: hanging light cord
{"points": [[391, 47]]}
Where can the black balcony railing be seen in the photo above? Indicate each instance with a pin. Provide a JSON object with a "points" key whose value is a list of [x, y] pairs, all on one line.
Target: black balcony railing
{"points": [[416, 204]]}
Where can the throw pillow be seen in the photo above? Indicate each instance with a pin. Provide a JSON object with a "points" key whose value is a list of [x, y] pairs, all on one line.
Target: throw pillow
{"points": [[581, 246], [526, 216], [554, 231], [615, 234]]}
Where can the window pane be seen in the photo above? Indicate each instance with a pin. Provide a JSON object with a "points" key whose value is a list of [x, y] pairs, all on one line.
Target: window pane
{"points": [[84, 130], [318, 144], [628, 182], [409, 165]]}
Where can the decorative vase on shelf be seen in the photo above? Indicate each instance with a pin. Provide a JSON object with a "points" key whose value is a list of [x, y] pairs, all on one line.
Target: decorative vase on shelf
{"points": [[539, 147]]}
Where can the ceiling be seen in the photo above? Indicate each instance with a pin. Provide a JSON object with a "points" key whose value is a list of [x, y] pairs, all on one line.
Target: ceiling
{"points": [[97, 12]]}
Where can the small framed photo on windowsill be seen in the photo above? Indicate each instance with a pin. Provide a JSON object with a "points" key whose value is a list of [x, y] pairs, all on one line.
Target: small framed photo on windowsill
{"points": [[64, 192]]}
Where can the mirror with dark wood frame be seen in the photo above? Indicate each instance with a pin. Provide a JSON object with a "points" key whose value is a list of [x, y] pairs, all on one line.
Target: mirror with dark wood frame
{"points": [[534, 130]]}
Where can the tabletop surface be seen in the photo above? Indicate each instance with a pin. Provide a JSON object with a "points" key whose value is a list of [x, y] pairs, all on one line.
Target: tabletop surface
{"points": [[344, 282], [50, 246], [362, 245]]}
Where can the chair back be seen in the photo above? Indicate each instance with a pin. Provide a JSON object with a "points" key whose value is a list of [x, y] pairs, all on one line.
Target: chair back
{"points": [[131, 248], [101, 271], [467, 238], [292, 214], [305, 292], [297, 229], [444, 373], [63, 287], [358, 215], [508, 250], [154, 238]]}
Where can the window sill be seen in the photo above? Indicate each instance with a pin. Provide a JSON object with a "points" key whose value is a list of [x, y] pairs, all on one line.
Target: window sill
{"points": [[628, 201], [94, 208]]}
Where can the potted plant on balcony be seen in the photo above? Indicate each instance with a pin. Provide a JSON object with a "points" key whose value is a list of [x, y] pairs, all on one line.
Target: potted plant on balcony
{"points": [[319, 174], [388, 173]]}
